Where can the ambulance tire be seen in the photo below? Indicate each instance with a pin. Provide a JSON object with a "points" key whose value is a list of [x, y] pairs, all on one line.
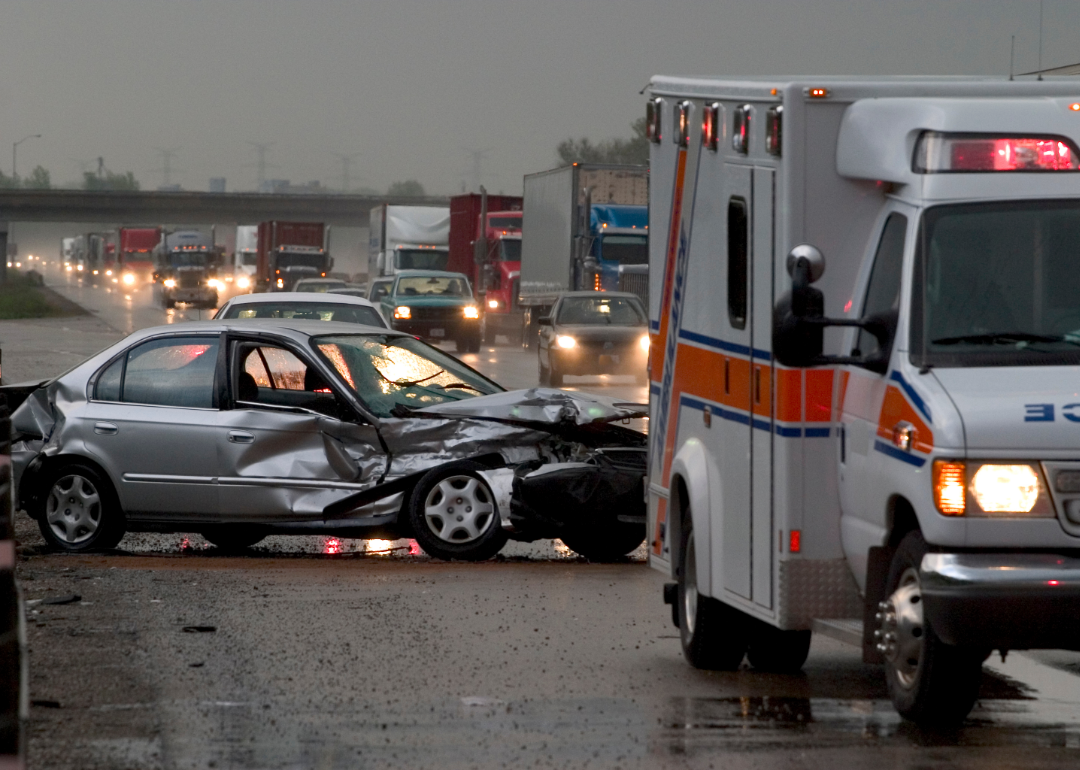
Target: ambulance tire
{"points": [[781, 652], [937, 684], [713, 634]]}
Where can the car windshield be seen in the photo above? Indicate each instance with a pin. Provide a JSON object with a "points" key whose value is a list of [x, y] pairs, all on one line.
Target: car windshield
{"points": [[422, 259], [997, 284], [310, 311], [187, 259], [249, 258], [380, 289], [625, 249], [600, 311], [391, 374], [432, 286]]}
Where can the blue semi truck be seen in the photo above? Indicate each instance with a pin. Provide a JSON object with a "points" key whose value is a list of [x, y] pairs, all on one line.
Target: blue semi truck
{"points": [[586, 227]]}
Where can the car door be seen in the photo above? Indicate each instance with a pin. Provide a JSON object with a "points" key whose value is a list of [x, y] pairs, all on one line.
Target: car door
{"points": [[152, 422], [290, 445]]}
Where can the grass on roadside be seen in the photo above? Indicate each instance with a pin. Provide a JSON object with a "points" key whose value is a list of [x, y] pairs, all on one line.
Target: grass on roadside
{"points": [[22, 298]]}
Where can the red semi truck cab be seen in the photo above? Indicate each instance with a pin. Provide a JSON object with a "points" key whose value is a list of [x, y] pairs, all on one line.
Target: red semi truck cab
{"points": [[136, 257], [489, 252]]}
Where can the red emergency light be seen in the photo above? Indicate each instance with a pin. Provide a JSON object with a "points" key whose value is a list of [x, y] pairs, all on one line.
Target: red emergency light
{"points": [[712, 124], [941, 153]]}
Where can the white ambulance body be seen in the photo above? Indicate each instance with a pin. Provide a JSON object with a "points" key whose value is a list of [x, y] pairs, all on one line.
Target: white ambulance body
{"points": [[914, 485]]}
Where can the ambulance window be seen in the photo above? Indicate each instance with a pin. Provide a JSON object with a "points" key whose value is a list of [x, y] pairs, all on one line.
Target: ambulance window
{"points": [[883, 293], [736, 266]]}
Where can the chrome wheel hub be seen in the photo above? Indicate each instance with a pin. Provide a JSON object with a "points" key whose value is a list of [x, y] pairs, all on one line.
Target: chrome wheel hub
{"points": [[459, 509], [73, 509], [901, 632], [690, 593]]}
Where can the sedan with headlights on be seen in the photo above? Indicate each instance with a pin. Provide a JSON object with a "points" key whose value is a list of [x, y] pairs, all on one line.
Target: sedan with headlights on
{"points": [[589, 332], [239, 429], [435, 305], [288, 305]]}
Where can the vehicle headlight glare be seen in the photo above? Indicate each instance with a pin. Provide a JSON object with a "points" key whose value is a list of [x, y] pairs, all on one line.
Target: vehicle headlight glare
{"points": [[471, 311], [493, 304], [129, 279], [1005, 488], [170, 283], [214, 283], [243, 282], [644, 342], [403, 311], [565, 341]]}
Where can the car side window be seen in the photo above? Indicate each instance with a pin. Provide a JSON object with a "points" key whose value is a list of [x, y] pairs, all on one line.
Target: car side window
{"points": [[176, 371], [275, 376], [883, 291]]}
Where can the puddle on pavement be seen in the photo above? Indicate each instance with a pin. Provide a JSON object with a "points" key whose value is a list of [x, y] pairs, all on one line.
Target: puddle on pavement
{"points": [[144, 543]]}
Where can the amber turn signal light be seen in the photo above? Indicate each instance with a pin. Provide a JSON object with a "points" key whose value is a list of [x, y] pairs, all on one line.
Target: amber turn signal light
{"points": [[949, 487]]}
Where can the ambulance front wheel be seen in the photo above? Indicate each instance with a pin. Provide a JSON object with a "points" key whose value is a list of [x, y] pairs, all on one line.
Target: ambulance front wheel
{"points": [[931, 683], [714, 635]]}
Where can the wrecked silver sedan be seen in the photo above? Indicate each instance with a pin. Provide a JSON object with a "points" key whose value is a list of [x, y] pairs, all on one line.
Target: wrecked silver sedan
{"points": [[242, 429]]}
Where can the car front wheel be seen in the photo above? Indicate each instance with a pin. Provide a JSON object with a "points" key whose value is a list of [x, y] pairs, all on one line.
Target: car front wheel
{"points": [[454, 515], [79, 510]]}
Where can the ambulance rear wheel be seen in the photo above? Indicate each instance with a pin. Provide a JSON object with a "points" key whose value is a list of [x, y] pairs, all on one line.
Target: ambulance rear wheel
{"points": [[713, 634], [931, 683]]}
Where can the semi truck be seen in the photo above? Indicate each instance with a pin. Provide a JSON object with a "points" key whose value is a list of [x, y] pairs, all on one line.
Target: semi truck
{"points": [[246, 256], [585, 228], [290, 251], [864, 307], [485, 244], [186, 268], [408, 238], [136, 255]]}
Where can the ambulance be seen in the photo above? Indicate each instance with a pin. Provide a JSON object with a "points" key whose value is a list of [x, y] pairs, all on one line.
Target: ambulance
{"points": [[865, 372]]}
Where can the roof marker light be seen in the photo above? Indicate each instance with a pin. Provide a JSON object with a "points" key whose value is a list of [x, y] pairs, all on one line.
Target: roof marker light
{"points": [[1075, 106], [818, 93]]}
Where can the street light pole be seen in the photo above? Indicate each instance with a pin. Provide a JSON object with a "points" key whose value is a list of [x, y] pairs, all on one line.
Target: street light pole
{"points": [[14, 148]]}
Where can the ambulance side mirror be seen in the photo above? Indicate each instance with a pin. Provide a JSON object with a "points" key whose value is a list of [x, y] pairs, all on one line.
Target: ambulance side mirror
{"points": [[799, 316]]}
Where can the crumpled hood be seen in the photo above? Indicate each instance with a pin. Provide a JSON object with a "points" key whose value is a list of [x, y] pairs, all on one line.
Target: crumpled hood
{"points": [[548, 406], [1018, 407]]}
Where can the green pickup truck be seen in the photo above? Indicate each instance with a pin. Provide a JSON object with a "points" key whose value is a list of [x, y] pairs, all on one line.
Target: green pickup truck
{"points": [[436, 306]]}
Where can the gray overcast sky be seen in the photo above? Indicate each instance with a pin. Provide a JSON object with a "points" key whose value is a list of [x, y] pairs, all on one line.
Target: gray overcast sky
{"points": [[411, 85]]}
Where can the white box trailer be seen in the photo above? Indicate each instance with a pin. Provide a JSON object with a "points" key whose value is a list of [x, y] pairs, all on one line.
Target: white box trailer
{"points": [[890, 455], [407, 238]]}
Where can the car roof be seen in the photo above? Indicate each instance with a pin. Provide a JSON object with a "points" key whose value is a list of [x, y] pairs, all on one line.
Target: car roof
{"points": [[430, 274], [298, 296], [321, 280], [297, 330]]}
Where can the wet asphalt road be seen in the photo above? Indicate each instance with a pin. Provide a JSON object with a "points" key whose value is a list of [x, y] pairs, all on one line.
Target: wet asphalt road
{"points": [[309, 653]]}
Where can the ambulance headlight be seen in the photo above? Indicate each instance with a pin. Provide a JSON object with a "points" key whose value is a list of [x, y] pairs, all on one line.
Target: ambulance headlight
{"points": [[1005, 488], [565, 342]]}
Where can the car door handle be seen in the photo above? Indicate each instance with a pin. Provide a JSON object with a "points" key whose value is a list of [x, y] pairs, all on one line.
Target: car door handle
{"points": [[241, 437], [105, 429]]}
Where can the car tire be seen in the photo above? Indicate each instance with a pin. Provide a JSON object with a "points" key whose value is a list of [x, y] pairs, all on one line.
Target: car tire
{"points": [[474, 342], [78, 509], [445, 531], [713, 634], [782, 652], [605, 543], [931, 683], [488, 332], [233, 538]]}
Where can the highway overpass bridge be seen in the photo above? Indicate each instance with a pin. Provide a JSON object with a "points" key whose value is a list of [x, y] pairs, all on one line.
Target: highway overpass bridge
{"points": [[138, 207]]}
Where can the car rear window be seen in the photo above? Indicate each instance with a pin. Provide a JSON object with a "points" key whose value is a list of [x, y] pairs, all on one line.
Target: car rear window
{"points": [[600, 311], [314, 311]]}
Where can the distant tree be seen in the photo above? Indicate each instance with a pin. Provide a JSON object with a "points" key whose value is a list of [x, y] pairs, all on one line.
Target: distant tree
{"points": [[634, 150], [7, 182], [110, 181], [408, 189], [39, 179]]}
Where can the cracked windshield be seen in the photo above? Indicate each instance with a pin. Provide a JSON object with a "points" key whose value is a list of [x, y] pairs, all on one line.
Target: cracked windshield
{"points": [[387, 372]]}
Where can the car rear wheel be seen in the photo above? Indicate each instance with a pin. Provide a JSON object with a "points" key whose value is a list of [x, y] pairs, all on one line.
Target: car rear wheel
{"points": [[79, 510], [454, 515], [605, 543], [930, 682], [713, 634]]}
